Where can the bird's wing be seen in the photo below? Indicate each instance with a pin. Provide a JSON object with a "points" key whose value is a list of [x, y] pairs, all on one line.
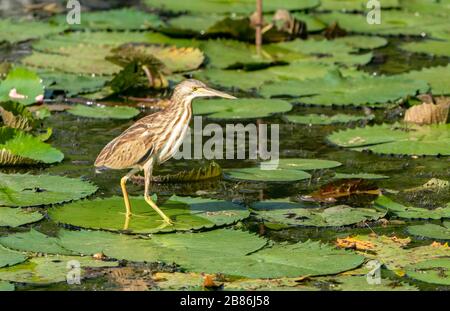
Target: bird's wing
{"points": [[130, 148]]}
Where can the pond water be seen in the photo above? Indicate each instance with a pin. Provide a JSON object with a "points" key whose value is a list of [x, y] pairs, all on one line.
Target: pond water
{"points": [[81, 139]]}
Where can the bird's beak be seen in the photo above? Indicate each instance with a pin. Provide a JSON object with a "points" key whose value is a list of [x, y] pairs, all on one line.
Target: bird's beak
{"points": [[207, 91]]}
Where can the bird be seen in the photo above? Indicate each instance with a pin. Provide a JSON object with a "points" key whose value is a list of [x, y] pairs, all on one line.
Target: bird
{"points": [[154, 139]]}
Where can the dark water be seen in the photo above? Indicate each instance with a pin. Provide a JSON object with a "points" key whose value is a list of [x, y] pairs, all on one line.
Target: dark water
{"points": [[81, 139]]}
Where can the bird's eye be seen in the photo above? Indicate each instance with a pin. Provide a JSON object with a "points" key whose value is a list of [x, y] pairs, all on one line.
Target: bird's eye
{"points": [[194, 89]]}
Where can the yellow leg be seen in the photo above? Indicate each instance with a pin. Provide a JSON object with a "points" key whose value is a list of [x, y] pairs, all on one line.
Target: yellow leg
{"points": [[126, 200], [147, 177]]}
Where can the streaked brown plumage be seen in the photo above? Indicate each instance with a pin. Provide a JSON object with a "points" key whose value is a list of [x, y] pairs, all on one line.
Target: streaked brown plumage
{"points": [[154, 139]]}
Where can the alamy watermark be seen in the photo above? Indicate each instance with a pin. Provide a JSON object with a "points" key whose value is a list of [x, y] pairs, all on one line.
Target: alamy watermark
{"points": [[237, 141], [74, 272], [373, 16], [74, 14]]}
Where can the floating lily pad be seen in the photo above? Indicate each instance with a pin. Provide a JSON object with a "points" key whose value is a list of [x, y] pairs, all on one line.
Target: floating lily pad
{"points": [[189, 249], [393, 23], [35, 242], [275, 175], [20, 30], [9, 257], [438, 48], [21, 85], [49, 269], [14, 217], [436, 77], [17, 148], [6, 286], [410, 212], [291, 214], [334, 89], [360, 283], [354, 5], [307, 164], [104, 112], [392, 251], [243, 6], [72, 84], [121, 19], [33, 190], [321, 119], [362, 42], [394, 139], [433, 7], [359, 176], [431, 231], [435, 271], [243, 108], [187, 213]]}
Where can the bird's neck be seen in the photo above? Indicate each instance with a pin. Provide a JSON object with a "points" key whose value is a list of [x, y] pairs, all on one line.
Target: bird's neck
{"points": [[181, 103]]}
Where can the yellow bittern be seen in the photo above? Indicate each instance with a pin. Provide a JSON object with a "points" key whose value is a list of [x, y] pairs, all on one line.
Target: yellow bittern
{"points": [[154, 139]]}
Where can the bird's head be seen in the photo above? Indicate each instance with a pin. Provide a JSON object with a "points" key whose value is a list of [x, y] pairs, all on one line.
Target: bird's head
{"points": [[190, 89]]}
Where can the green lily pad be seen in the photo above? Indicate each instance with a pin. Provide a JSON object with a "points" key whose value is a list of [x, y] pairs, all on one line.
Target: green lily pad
{"points": [[17, 148], [9, 257], [231, 6], [433, 7], [438, 48], [435, 271], [362, 42], [290, 214], [104, 112], [334, 89], [72, 84], [429, 140], [27, 86], [189, 249], [243, 108], [258, 174], [6, 287], [410, 212], [431, 231], [49, 269], [359, 176], [121, 19], [20, 30], [187, 213], [33, 190], [354, 5], [15, 217], [359, 283], [436, 77], [321, 119], [393, 23], [306, 164], [35, 242]]}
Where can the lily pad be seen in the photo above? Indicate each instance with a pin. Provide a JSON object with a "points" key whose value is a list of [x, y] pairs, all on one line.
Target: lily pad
{"points": [[359, 176], [17, 147], [435, 271], [436, 77], [49, 269], [104, 112], [243, 108], [438, 48], [243, 6], [433, 7], [6, 286], [15, 217], [9, 257], [121, 19], [15, 31], [360, 283], [354, 5], [72, 84], [394, 139], [431, 231], [291, 214], [307, 164], [335, 89], [187, 213], [410, 212], [21, 85], [321, 119], [33, 190], [393, 23], [258, 174]]}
